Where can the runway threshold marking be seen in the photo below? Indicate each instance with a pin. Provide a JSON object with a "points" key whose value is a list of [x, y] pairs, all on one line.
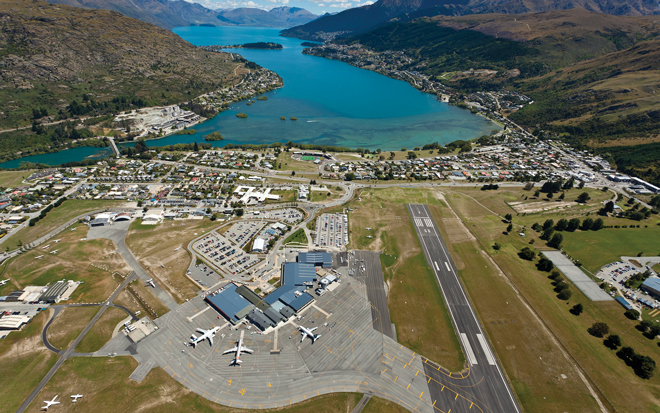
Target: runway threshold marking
{"points": [[484, 345], [436, 266], [468, 349], [447, 265]]}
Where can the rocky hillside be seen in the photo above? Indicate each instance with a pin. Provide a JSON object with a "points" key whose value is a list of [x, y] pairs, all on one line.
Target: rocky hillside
{"points": [[365, 18], [168, 14], [51, 55]]}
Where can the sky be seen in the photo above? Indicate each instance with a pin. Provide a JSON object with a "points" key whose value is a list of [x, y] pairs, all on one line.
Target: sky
{"points": [[314, 6]]}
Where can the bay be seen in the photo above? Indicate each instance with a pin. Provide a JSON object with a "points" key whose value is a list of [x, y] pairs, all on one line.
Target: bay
{"points": [[336, 104]]}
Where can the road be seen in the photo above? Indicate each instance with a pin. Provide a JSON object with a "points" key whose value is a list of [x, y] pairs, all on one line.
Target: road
{"points": [[486, 379]]}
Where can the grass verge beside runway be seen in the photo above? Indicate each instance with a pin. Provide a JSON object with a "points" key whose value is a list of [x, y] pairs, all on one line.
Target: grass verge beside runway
{"points": [[378, 405], [535, 378], [68, 325], [105, 387], [101, 331], [414, 299], [24, 361]]}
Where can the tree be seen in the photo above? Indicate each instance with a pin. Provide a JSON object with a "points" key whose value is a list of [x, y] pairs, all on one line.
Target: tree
{"points": [[581, 185], [544, 264], [537, 193], [573, 224], [412, 155], [141, 146], [547, 234], [561, 225], [497, 246], [537, 227], [509, 228], [548, 224], [196, 147], [608, 208], [632, 314], [587, 224], [597, 225], [562, 196], [612, 341], [556, 240], [239, 212], [643, 326], [527, 254], [654, 331], [577, 309], [583, 197], [293, 173], [598, 329], [550, 195], [508, 217], [565, 294]]}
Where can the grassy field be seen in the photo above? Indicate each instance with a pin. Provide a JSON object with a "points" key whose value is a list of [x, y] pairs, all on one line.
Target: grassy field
{"points": [[106, 388], [537, 378], [285, 196], [298, 237], [597, 248], [12, 179], [92, 262], [154, 247], [58, 216], [101, 331], [68, 325], [398, 155], [378, 405], [24, 361], [324, 196], [422, 325], [290, 164]]}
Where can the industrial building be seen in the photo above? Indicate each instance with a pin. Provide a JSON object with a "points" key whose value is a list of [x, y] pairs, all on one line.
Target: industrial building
{"points": [[316, 258], [59, 291], [101, 220], [652, 286], [259, 245]]}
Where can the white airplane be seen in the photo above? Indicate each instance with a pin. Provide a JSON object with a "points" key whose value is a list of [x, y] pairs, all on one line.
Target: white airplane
{"points": [[238, 350], [54, 252], [39, 257], [49, 403], [308, 333], [150, 282], [73, 229], [58, 240], [75, 397], [46, 247], [176, 249], [3, 282], [368, 229], [206, 334]]}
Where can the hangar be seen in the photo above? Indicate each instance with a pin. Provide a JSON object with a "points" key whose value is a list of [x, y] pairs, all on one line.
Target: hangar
{"points": [[123, 216], [652, 286], [101, 220]]}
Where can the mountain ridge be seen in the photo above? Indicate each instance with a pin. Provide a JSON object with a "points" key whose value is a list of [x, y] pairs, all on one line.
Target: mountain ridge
{"points": [[169, 14]]}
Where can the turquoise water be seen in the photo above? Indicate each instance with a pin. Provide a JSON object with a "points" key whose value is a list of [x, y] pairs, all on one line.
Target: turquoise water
{"points": [[335, 103]]}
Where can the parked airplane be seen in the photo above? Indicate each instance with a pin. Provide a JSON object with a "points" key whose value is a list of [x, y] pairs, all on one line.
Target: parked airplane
{"points": [[3, 282], [308, 333], [150, 282], [58, 240], [50, 403], [75, 397], [39, 257], [238, 350], [176, 249], [368, 229], [73, 229], [54, 252], [46, 247], [206, 334]]}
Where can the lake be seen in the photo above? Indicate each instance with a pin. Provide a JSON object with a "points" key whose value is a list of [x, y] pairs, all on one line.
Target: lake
{"points": [[336, 104]]}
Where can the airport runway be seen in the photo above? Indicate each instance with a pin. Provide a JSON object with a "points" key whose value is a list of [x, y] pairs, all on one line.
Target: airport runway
{"points": [[372, 276], [483, 379]]}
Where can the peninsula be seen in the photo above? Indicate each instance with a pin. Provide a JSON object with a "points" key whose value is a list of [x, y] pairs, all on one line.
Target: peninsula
{"points": [[256, 45]]}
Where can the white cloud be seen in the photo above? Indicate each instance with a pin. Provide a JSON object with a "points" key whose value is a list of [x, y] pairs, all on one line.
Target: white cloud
{"points": [[321, 5], [366, 3], [341, 5]]}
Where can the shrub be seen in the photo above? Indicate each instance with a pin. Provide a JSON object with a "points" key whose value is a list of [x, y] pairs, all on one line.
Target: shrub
{"points": [[577, 309], [527, 254], [612, 341], [598, 329], [564, 294], [632, 314]]}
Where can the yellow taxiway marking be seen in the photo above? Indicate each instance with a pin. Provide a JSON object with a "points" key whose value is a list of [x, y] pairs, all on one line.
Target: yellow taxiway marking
{"points": [[408, 386], [456, 396], [420, 395], [417, 373], [396, 378], [269, 384], [383, 371], [242, 392], [434, 401], [429, 380], [471, 404]]}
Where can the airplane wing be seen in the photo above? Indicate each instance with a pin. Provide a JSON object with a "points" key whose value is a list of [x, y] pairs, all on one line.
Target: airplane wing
{"points": [[247, 350], [210, 339], [312, 329], [303, 337], [231, 350], [201, 330]]}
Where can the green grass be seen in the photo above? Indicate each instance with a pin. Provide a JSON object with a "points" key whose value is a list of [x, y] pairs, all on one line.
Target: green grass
{"points": [[101, 331], [597, 248], [297, 237], [56, 217], [68, 325], [22, 367], [378, 405], [12, 179]]}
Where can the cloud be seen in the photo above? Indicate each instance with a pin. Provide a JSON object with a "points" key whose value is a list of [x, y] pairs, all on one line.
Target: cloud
{"points": [[341, 5], [366, 3], [321, 5]]}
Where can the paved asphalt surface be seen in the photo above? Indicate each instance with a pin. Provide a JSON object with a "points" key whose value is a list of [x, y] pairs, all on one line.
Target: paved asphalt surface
{"points": [[484, 379], [375, 285]]}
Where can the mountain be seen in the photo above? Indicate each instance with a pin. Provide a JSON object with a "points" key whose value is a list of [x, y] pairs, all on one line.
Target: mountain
{"points": [[293, 16], [53, 55], [365, 18], [169, 14]]}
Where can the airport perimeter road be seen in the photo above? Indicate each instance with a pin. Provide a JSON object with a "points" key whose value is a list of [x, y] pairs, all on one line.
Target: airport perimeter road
{"points": [[485, 379]]}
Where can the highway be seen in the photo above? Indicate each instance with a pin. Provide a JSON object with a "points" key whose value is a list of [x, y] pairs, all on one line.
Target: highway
{"points": [[485, 379]]}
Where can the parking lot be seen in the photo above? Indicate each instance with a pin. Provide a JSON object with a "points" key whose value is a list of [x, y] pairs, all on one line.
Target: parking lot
{"points": [[331, 230], [617, 273], [228, 258], [288, 216], [242, 232]]}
